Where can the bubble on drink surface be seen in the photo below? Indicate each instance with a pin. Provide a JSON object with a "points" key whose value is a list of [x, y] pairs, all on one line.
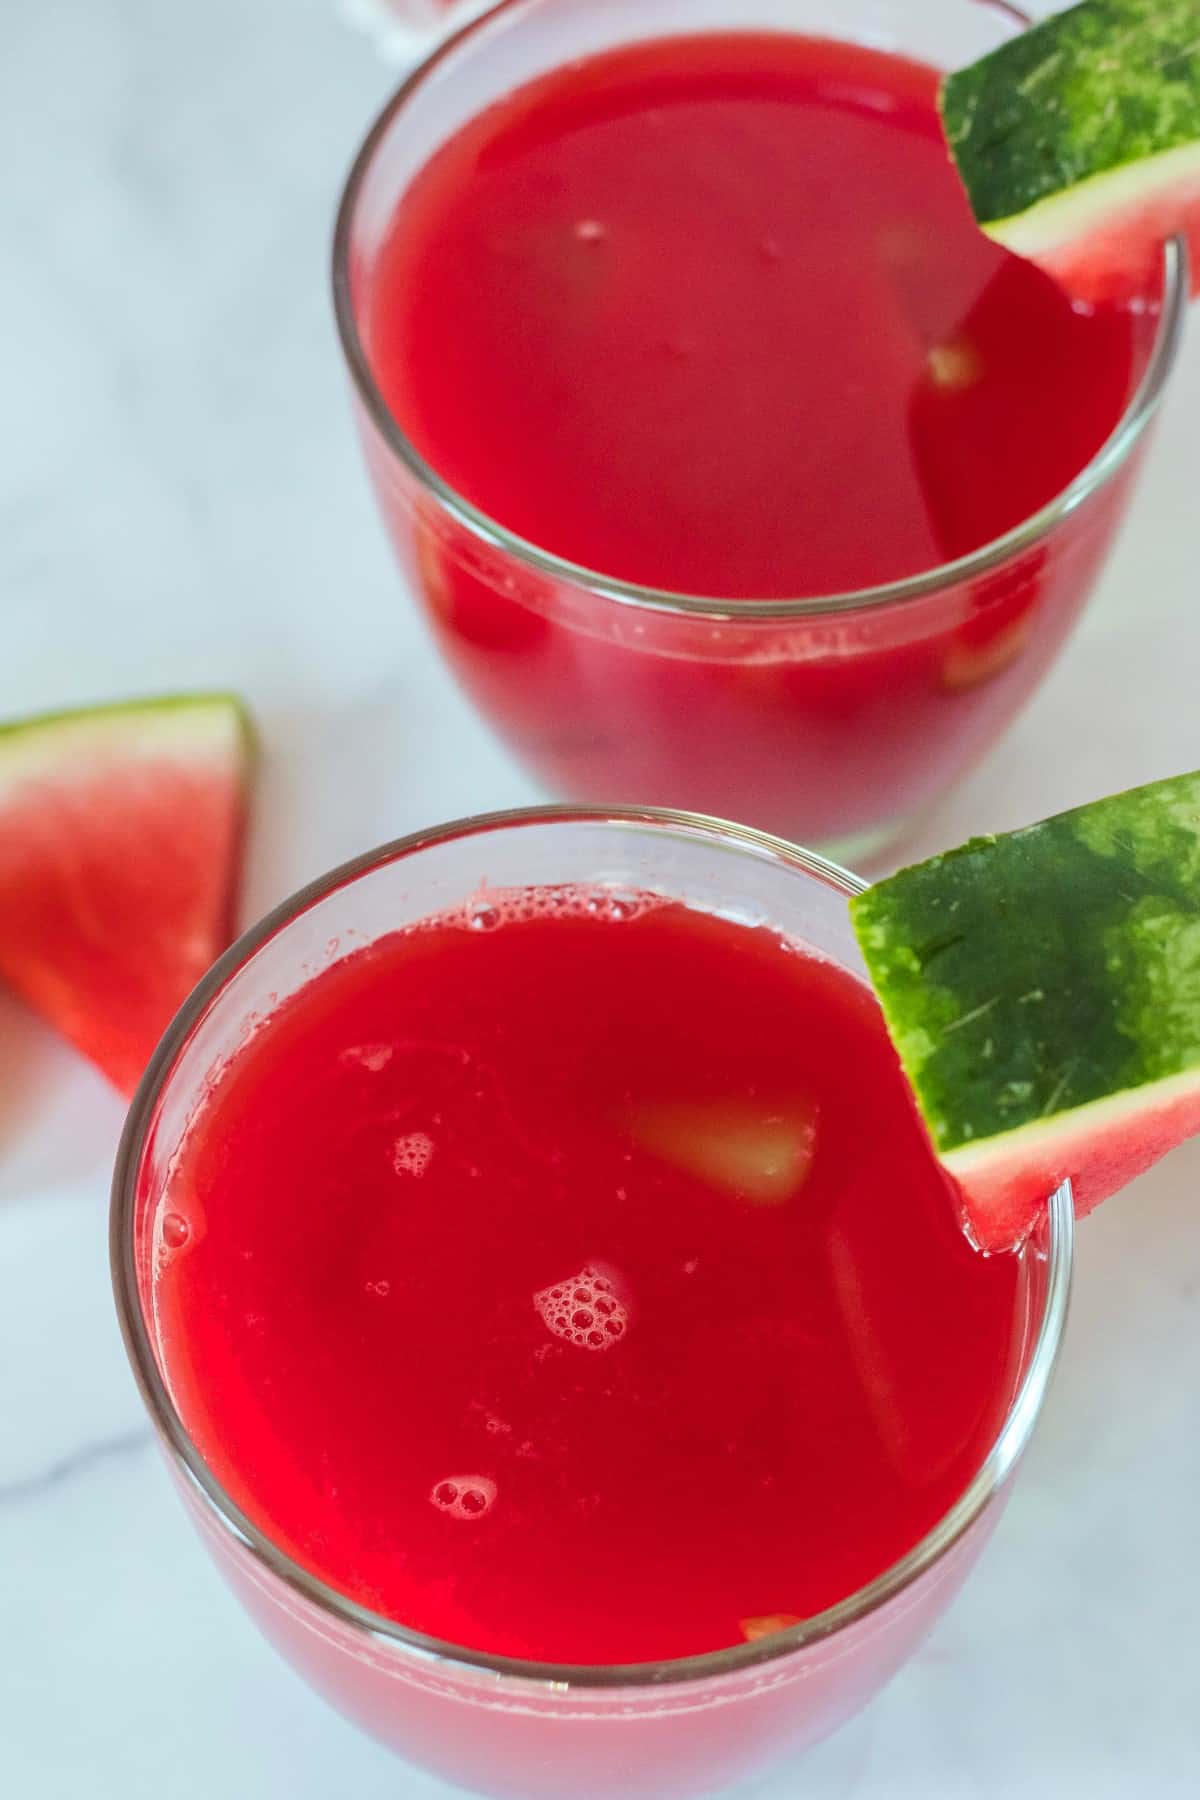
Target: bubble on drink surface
{"points": [[368, 1056], [591, 231], [178, 1227], [412, 1153], [584, 1310], [464, 1496]]}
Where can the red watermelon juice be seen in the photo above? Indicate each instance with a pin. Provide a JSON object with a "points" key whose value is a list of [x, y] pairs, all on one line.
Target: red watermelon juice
{"points": [[710, 315], [569, 1278]]}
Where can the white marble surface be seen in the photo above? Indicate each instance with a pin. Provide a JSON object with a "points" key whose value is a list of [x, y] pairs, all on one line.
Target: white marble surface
{"points": [[181, 503]]}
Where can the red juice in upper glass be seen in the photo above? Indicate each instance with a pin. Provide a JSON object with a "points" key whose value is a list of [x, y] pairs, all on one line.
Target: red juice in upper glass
{"points": [[712, 315]]}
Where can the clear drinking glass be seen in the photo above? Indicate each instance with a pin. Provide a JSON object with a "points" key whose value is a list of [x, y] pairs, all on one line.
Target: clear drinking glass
{"points": [[503, 1727], [835, 720]]}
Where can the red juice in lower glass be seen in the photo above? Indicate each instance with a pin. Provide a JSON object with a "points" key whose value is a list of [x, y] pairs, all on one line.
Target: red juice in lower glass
{"points": [[710, 315], [568, 1277]]}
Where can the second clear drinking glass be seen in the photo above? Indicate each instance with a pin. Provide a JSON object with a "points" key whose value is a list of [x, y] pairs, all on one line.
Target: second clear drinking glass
{"points": [[835, 719]]}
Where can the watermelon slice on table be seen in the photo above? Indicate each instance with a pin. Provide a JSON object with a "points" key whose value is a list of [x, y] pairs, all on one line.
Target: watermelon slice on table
{"points": [[1078, 142], [1042, 990], [120, 833]]}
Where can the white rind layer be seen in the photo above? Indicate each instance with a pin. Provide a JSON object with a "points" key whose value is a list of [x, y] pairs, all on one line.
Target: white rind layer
{"points": [[203, 727], [1157, 192]]}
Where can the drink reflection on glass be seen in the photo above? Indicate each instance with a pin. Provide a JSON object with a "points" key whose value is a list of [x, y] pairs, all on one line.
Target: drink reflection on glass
{"points": [[736, 469]]}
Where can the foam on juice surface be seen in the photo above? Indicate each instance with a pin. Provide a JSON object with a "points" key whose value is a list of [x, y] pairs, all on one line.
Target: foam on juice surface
{"points": [[584, 1310], [412, 1153], [489, 908]]}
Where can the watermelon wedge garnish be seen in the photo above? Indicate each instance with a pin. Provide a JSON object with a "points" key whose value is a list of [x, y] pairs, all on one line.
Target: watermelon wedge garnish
{"points": [[120, 834], [1042, 990], [1078, 142]]}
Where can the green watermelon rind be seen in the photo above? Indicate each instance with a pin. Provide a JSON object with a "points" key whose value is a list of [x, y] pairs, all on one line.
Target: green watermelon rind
{"points": [[1027, 976], [183, 722], [1093, 109]]}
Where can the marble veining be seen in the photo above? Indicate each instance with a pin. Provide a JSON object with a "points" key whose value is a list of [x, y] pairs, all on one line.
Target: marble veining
{"points": [[70, 1468]]}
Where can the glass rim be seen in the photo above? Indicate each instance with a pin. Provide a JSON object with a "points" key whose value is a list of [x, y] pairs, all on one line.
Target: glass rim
{"points": [[1005, 1452], [1103, 467]]}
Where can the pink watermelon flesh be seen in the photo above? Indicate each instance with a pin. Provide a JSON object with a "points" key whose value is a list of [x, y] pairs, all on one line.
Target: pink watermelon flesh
{"points": [[1121, 258], [1003, 1187], [120, 837]]}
